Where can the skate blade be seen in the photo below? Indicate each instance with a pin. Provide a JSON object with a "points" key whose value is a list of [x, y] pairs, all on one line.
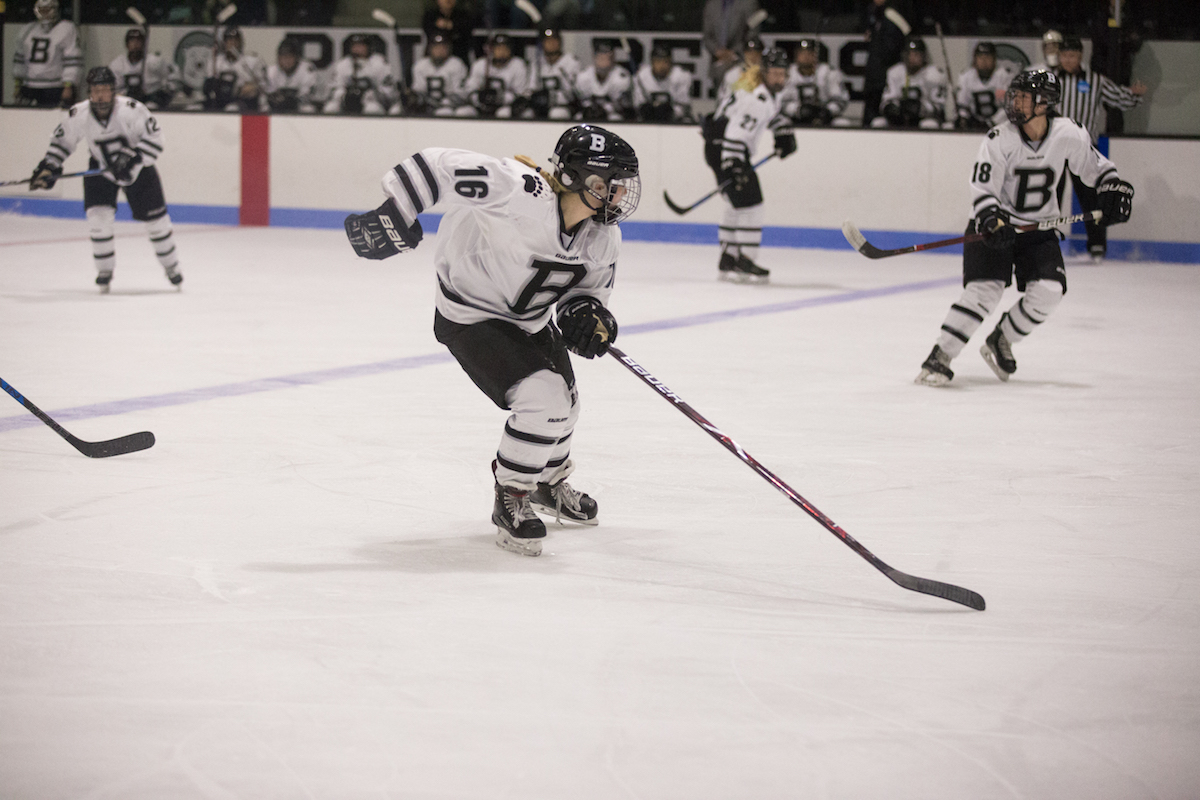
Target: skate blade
{"points": [[561, 519], [928, 378], [525, 547], [986, 352]]}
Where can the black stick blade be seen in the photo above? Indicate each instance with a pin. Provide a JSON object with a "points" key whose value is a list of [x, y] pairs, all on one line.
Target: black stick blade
{"points": [[671, 205], [114, 447], [946, 591]]}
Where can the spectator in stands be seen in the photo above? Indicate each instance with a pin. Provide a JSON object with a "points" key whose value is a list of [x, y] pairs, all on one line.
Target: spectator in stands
{"points": [[495, 81], [816, 93], [752, 50], [291, 81], [662, 90], [887, 28], [552, 80], [916, 91], [604, 88], [235, 79], [452, 21], [363, 82], [147, 77], [437, 88], [725, 29]]}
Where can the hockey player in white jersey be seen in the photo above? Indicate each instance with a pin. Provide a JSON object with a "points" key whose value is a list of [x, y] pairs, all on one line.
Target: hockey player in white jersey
{"points": [[235, 78], [552, 78], [816, 92], [437, 82], [495, 81], [124, 140], [730, 136], [516, 246], [1015, 180], [981, 91], [291, 81], [604, 87], [48, 63], [662, 91], [752, 53], [147, 77], [915, 95], [363, 81]]}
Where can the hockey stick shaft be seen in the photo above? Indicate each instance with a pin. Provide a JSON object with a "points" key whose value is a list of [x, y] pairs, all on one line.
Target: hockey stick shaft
{"points": [[85, 174], [956, 594], [681, 210], [113, 447], [860, 243]]}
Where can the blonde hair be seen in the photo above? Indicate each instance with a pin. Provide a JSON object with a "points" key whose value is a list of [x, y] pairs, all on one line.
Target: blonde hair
{"points": [[751, 79]]}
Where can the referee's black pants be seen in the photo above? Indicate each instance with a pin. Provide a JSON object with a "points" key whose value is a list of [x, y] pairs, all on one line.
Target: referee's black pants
{"points": [[1097, 235]]}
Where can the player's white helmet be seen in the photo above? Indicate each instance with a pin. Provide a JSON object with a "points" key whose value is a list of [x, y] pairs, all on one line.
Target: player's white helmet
{"points": [[596, 162], [46, 11]]}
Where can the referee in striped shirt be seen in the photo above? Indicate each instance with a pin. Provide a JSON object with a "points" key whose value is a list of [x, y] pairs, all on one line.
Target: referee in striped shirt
{"points": [[1083, 92]]}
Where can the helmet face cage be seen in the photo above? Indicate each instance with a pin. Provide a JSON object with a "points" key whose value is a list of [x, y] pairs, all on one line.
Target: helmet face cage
{"points": [[594, 161], [1041, 84], [101, 76], [46, 10]]}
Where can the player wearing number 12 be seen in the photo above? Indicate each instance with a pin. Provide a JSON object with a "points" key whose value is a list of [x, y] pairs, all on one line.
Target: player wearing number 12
{"points": [[515, 242], [1016, 180], [124, 140]]}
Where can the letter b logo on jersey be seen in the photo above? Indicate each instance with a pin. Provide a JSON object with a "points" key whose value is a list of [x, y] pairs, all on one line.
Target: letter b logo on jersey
{"points": [[1035, 187], [597, 143]]}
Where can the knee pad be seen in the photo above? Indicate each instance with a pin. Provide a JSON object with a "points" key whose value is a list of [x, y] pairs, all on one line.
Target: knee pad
{"points": [[543, 404], [100, 221], [983, 296]]}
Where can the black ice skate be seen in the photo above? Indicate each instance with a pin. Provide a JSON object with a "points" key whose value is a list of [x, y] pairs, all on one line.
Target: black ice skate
{"points": [[727, 269], [564, 502], [936, 369], [174, 276], [103, 280], [517, 528], [749, 272], [997, 352]]}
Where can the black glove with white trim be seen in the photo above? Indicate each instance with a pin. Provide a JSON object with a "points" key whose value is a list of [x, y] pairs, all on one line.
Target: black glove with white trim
{"points": [[382, 233], [1116, 201], [45, 175], [588, 328], [993, 223], [785, 144], [121, 166]]}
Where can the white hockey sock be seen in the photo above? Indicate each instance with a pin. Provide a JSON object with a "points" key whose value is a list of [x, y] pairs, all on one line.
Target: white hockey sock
{"points": [[100, 222], [748, 234], [537, 436], [1038, 302], [726, 229], [978, 299], [160, 231]]}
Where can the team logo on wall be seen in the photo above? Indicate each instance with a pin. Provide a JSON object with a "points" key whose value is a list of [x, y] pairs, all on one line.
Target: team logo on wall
{"points": [[1013, 55], [193, 56]]}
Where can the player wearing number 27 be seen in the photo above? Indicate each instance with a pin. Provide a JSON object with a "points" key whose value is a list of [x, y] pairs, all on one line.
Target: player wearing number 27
{"points": [[1016, 180], [125, 141], [515, 246]]}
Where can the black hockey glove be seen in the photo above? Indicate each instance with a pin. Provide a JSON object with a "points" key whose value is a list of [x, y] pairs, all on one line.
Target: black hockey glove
{"points": [[45, 175], [1116, 201], [785, 144], [588, 328], [382, 233], [121, 166], [993, 223], [737, 172]]}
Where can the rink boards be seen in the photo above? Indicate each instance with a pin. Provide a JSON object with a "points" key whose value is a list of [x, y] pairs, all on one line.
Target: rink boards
{"points": [[901, 186]]}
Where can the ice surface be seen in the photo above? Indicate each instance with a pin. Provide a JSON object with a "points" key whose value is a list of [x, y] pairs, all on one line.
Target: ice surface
{"points": [[295, 593]]}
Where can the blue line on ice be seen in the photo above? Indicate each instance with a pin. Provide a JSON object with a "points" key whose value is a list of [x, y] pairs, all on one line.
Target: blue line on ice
{"points": [[415, 362]]}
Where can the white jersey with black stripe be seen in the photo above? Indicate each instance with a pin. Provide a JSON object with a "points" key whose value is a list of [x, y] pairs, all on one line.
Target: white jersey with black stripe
{"points": [[440, 85], [558, 78], [151, 74], [48, 55], [501, 252], [980, 100], [1027, 179], [749, 113], [131, 128]]}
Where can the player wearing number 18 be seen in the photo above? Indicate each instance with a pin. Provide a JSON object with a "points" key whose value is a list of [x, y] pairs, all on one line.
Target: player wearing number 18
{"points": [[124, 140], [515, 242], [1016, 180]]}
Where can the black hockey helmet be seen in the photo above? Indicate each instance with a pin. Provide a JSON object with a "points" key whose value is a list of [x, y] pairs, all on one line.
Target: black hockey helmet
{"points": [[1042, 84], [603, 46], [915, 44], [101, 76], [134, 33], [753, 43], [551, 33], [661, 51], [808, 44], [1071, 43], [985, 49], [288, 46], [775, 57], [232, 32], [585, 153]]}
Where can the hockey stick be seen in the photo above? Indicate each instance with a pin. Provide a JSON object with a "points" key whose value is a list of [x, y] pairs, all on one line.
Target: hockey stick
{"points": [[530, 10], [860, 243], [946, 591], [682, 210], [224, 14], [949, 74], [113, 447], [387, 19], [140, 20], [85, 174]]}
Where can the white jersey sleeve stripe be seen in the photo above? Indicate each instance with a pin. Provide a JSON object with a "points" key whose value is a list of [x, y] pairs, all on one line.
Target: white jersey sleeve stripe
{"points": [[423, 165], [414, 197]]}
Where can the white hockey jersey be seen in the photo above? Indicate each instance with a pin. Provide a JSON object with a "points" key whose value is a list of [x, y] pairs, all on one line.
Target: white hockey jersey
{"points": [[501, 249], [245, 70], [749, 113], [295, 91], [558, 78], [1026, 178], [48, 55], [131, 128], [371, 76], [149, 76], [440, 86], [674, 90], [977, 100], [826, 88], [507, 81], [610, 93], [927, 86]]}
